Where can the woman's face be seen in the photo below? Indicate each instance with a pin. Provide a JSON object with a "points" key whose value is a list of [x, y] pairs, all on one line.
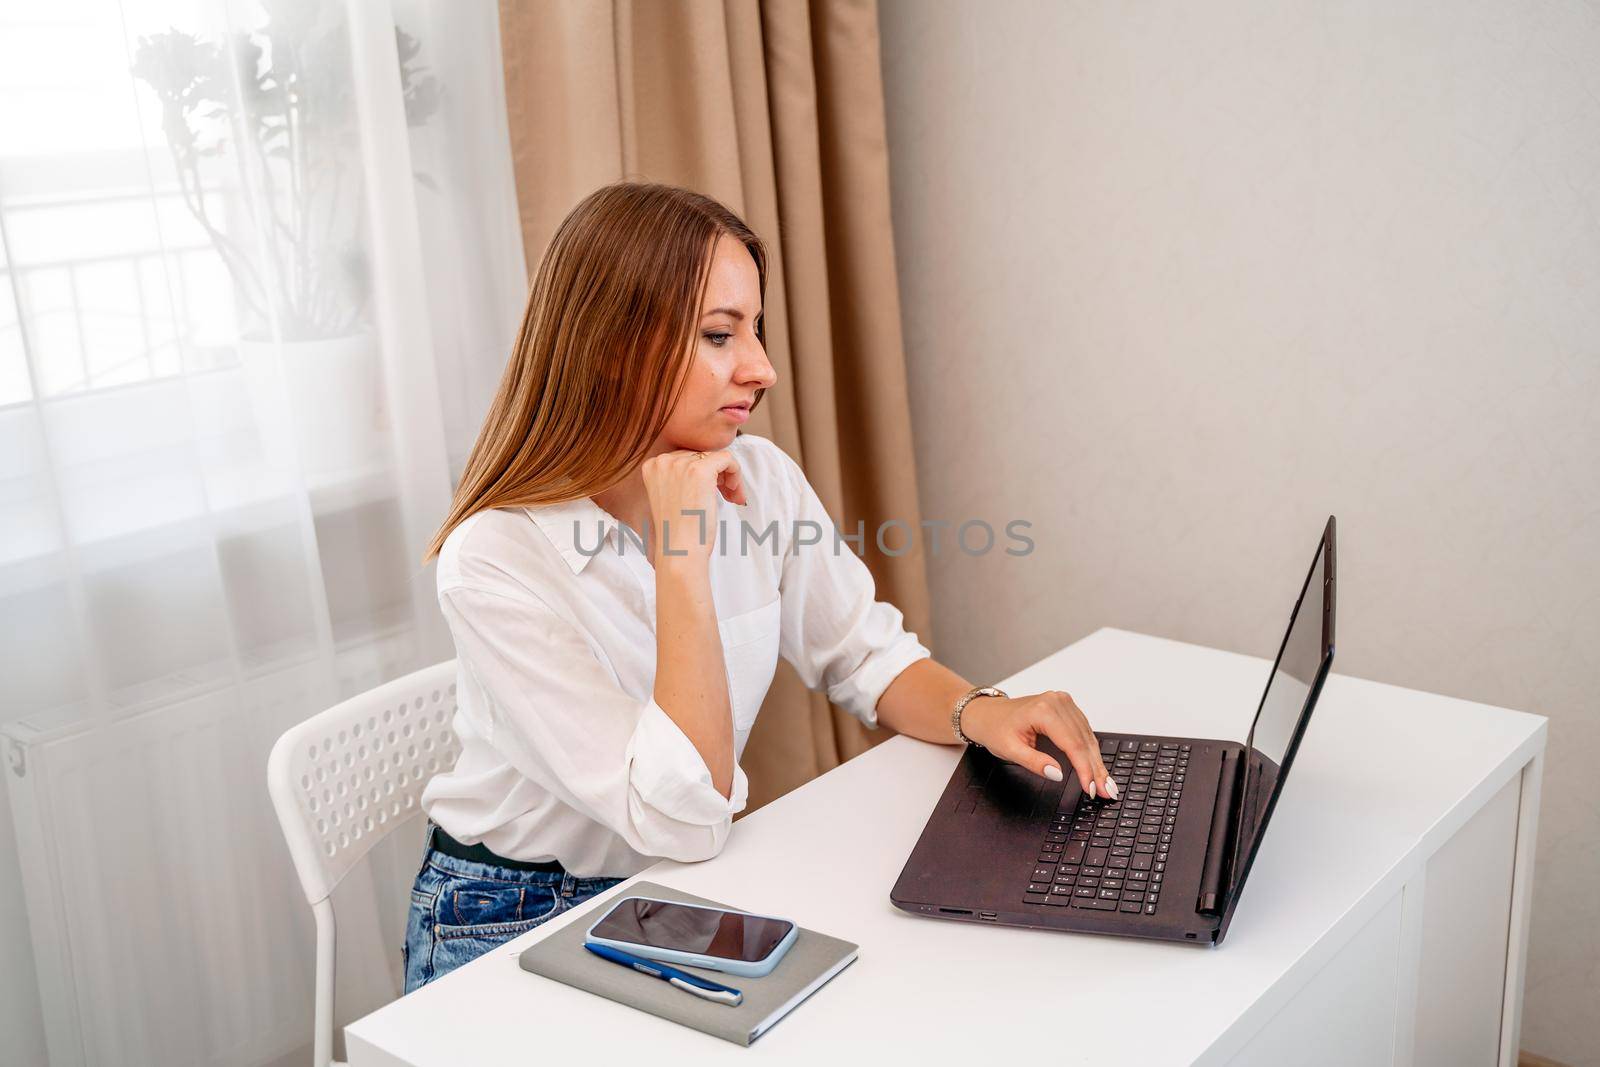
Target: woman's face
{"points": [[729, 363]]}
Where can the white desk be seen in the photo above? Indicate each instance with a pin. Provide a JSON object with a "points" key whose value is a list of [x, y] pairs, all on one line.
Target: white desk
{"points": [[1384, 921]]}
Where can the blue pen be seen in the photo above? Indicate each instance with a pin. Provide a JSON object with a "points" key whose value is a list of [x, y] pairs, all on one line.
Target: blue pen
{"points": [[689, 983]]}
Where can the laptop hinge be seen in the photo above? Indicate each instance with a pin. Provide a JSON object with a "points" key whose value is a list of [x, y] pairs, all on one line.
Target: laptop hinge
{"points": [[1218, 846]]}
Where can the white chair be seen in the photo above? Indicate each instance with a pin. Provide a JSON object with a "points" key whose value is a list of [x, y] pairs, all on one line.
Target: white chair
{"points": [[344, 780]]}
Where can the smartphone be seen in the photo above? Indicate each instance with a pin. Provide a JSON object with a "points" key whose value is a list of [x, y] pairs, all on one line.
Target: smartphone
{"points": [[733, 941]]}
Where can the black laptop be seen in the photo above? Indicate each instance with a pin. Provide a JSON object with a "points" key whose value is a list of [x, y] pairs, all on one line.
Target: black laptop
{"points": [[1168, 859]]}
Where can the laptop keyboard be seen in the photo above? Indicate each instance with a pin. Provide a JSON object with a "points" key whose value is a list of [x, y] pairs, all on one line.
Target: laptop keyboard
{"points": [[1111, 855]]}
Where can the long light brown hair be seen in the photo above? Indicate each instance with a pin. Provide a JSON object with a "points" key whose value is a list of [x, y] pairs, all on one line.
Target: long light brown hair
{"points": [[606, 342]]}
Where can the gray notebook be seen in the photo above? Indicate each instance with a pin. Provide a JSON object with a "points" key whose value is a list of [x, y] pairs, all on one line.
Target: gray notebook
{"points": [[811, 960]]}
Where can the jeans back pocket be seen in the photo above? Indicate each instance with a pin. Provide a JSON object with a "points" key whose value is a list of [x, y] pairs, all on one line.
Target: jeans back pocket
{"points": [[470, 903]]}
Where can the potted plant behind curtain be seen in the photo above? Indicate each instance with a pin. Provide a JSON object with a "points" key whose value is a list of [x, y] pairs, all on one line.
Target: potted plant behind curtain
{"points": [[281, 97]]}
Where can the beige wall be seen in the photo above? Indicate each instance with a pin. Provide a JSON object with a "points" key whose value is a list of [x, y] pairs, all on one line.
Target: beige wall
{"points": [[1180, 280]]}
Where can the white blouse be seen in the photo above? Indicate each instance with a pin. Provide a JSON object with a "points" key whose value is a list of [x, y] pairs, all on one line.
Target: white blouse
{"points": [[565, 754]]}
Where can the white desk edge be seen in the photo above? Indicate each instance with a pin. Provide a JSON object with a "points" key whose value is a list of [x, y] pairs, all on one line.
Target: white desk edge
{"points": [[1527, 755]]}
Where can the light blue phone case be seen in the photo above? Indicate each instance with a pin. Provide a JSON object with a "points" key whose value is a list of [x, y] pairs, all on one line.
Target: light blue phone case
{"points": [[715, 963]]}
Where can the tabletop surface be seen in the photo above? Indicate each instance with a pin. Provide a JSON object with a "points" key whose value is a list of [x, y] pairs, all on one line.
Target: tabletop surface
{"points": [[1384, 776]]}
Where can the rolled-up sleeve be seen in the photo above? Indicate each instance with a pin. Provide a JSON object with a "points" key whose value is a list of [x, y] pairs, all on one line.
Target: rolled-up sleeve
{"points": [[836, 633], [553, 709]]}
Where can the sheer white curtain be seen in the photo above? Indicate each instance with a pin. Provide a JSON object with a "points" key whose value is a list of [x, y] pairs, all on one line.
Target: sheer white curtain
{"points": [[260, 268]]}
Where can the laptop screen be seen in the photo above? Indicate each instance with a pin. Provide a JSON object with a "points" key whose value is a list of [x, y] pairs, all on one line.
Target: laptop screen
{"points": [[1286, 704]]}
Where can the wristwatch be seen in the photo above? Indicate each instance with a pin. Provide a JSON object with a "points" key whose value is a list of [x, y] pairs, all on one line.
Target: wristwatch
{"points": [[961, 705]]}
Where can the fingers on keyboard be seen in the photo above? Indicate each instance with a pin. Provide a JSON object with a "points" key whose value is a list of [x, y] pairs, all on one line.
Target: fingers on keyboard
{"points": [[1111, 855]]}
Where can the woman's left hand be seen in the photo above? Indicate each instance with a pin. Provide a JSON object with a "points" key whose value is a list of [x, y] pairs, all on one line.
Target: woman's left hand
{"points": [[1009, 727]]}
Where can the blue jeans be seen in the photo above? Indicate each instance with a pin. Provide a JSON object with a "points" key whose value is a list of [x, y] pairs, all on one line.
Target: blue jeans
{"points": [[461, 909]]}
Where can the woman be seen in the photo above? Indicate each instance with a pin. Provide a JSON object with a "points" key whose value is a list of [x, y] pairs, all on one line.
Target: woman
{"points": [[620, 570]]}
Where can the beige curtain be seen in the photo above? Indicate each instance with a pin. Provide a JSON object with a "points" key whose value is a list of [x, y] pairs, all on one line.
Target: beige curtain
{"points": [[776, 109]]}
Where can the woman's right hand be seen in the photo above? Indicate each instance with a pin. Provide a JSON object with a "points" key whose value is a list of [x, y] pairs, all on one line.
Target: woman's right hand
{"points": [[682, 487], [1010, 727]]}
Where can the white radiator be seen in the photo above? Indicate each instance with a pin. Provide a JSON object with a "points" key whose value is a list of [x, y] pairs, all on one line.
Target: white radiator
{"points": [[167, 924]]}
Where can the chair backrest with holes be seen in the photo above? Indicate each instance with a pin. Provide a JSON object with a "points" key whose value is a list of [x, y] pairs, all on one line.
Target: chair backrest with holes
{"points": [[344, 779]]}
